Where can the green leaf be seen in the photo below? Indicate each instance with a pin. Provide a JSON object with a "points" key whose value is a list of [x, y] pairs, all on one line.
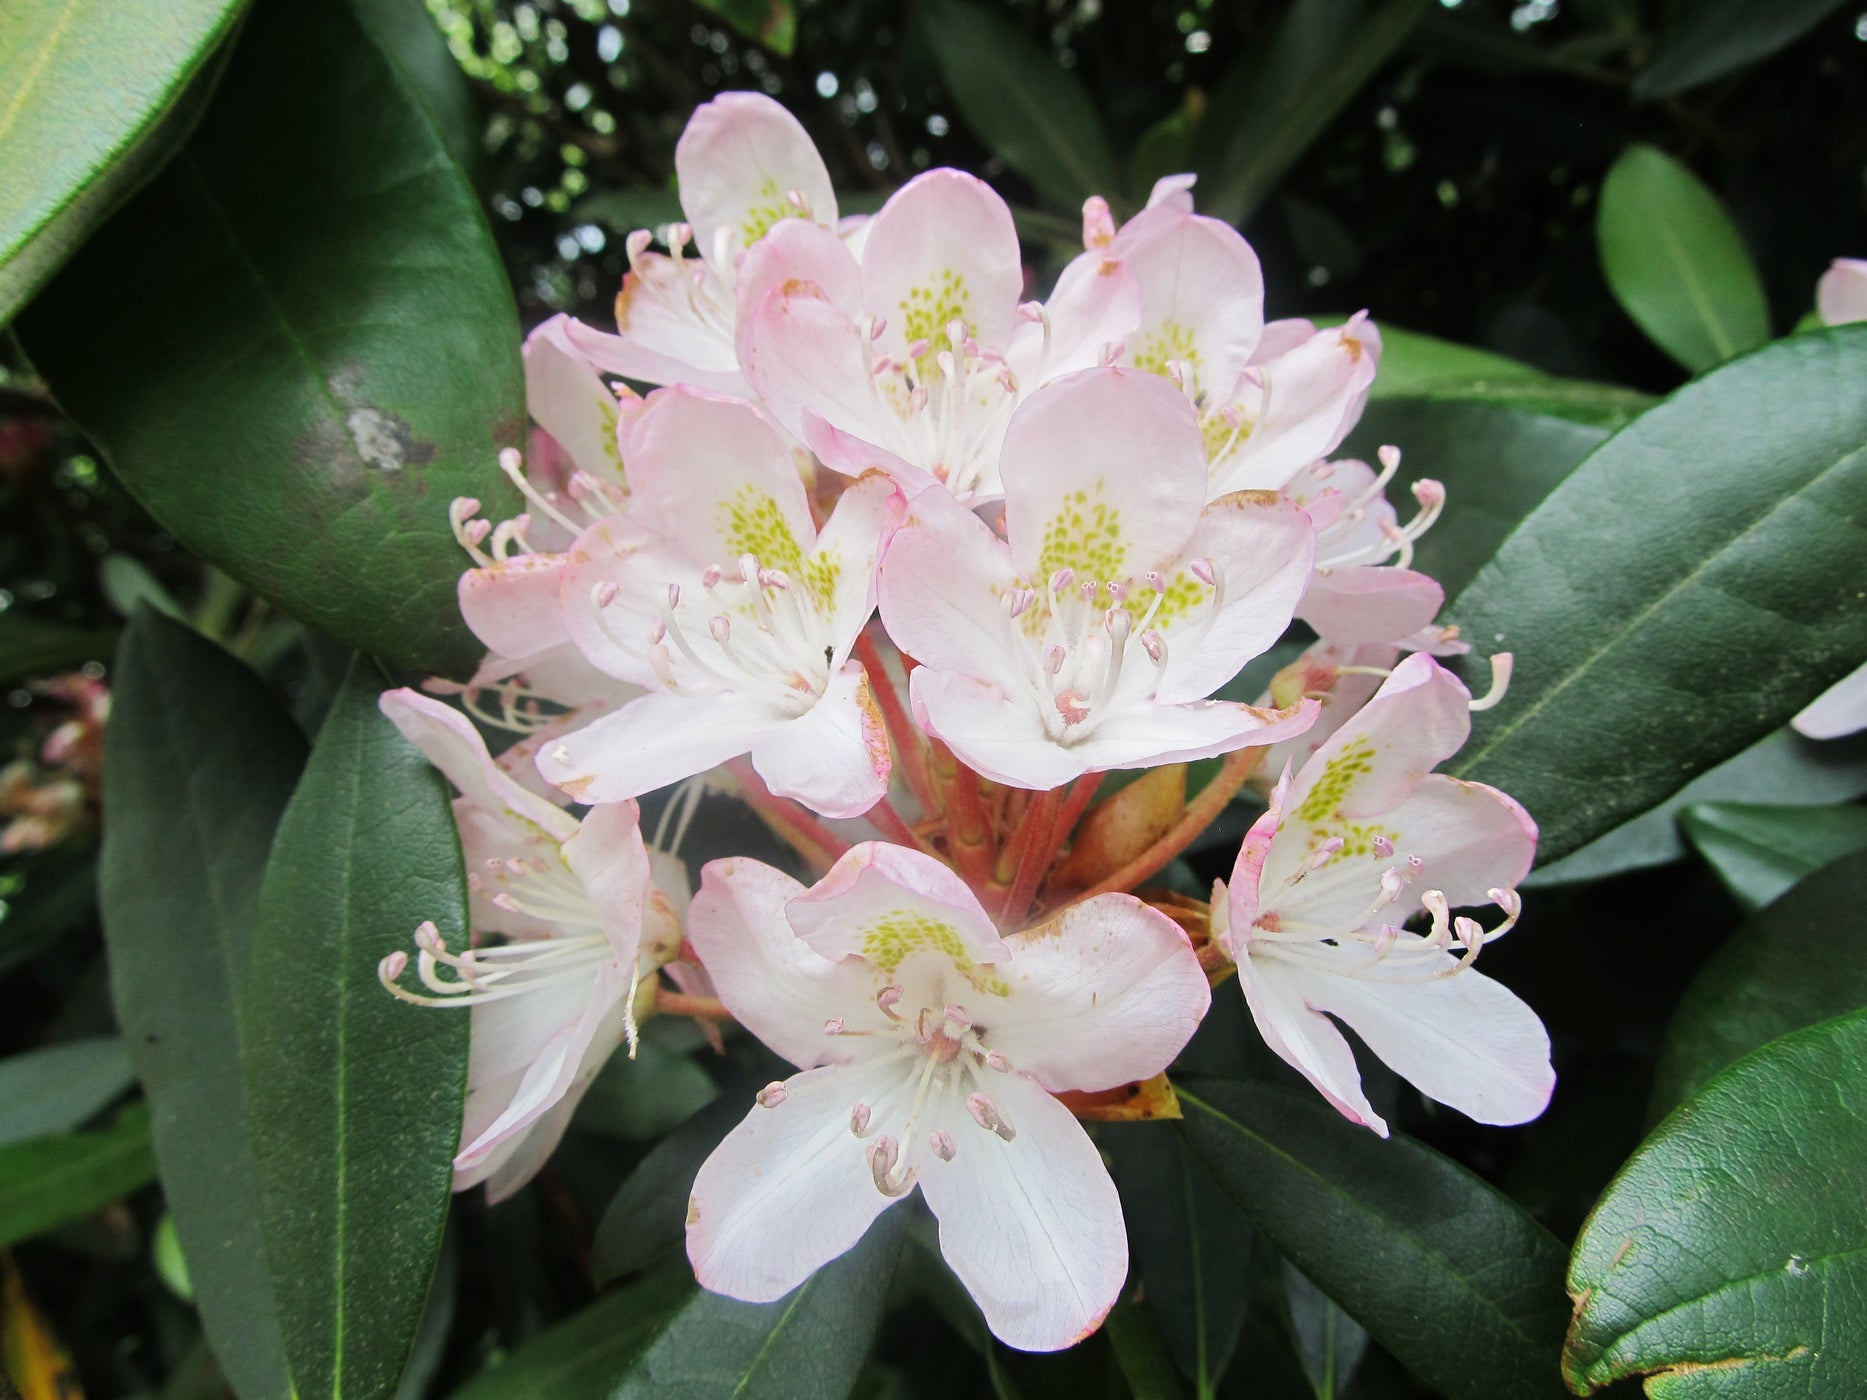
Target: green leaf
{"points": [[1783, 768], [1729, 1257], [1676, 263], [1451, 1276], [354, 1098], [642, 1099], [1793, 964], [32, 646], [199, 762], [1189, 1246], [1705, 39], [1497, 464], [55, 1089], [1759, 851], [51, 1181], [1328, 1342], [584, 1358], [1139, 1353], [407, 33], [663, 1336], [1660, 629], [94, 95], [772, 23], [1020, 102], [1269, 108], [330, 355], [648, 1214]]}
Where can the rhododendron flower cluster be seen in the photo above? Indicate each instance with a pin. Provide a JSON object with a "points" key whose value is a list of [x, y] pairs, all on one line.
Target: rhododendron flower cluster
{"points": [[913, 564]]}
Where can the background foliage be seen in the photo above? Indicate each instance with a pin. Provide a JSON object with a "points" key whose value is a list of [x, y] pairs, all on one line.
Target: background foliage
{"points": [[264, 286]]}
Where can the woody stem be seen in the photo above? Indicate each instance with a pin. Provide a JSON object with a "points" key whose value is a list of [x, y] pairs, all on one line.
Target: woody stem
{"points": [[1033, 855], [1195, 817], [680, 1004]]}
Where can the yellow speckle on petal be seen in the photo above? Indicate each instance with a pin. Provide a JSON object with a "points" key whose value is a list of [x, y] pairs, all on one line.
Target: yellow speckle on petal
{"points": [[891, 939]]}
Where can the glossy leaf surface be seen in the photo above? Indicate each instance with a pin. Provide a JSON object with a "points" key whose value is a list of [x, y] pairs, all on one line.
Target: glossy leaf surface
{"points": [[1660, 630], [200, 762], [1759, 851], [1793, 964], [1676, 262], [1729, 1257], [1446, 1272], [66, 157], [330, 355], [354, 1098]]}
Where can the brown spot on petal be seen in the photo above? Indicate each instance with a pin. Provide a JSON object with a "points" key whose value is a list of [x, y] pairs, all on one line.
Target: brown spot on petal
{"points": [[693, 1212]]}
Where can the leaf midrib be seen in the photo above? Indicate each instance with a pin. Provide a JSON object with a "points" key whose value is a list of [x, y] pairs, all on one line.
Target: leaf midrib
{"points": [[1640, 618], [1484, 1300]]}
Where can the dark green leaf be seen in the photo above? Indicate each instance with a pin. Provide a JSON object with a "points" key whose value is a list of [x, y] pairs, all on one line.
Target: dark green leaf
{"points": [[648, 1215], [1497, 464], [1020, 102], [1417, 366], [809, 1345], [772, 23], [1793, 964], [665, 1337], [1705, 39], [55, 1089], [1760, 851], [1782, 768], [406, 31], [330, 354], [199, 760], [51, 1181], [1270, 107], [1329, 1343], [94, 95], [1139, 1353], [1658, 629], [643, 1098], [31, 646], [1189, 1246], [586, 1357], [1676, 263], [1448, 1274], [354, 1098], [1729, 1257]]}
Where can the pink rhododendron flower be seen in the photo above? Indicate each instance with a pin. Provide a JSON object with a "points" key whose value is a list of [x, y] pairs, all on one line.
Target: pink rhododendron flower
{"points": [[930, 1047], [1091, 637], [581, 925], [1363, 837], [914, 358], [745, 166], [1271, 399], [510, 599], [718, 594], [1841, 295], [1363, 591]]}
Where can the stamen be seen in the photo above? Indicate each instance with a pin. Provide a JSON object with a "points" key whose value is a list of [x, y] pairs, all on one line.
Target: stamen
{"points": [[1501, 665], [986, 1114], [859, 1119], [943, 1145], [771, 1095]]}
